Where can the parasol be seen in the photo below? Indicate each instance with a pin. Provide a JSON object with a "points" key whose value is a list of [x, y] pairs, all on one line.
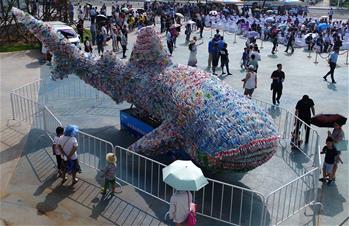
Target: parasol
{"points": [[184, 176], [323, 26], [213, 13], [180, 15], [328, 120], [270, 19], [313, 35]]}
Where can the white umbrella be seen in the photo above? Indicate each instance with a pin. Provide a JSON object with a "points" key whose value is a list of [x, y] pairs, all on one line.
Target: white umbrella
{"points": [[180, 15], [213, 13], [184, 176]]}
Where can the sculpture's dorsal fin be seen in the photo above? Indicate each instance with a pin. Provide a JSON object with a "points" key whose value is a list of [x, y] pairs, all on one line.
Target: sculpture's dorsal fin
{"points": [[148, 49]]}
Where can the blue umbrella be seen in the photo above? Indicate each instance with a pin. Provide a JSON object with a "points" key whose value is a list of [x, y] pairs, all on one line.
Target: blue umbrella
{"points": [[322, 26]]}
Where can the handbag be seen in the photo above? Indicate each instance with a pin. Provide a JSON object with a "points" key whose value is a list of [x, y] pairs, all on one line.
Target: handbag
{"points": [[191, 218]]}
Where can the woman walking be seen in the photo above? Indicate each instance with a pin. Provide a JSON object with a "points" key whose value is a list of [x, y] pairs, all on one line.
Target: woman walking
{"points": [[180, 207], [250, 81], [68, 145], [193, 52]]}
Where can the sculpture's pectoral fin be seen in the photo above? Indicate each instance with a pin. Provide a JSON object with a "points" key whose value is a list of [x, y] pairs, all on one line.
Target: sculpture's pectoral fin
{"points": [[156, 141]]}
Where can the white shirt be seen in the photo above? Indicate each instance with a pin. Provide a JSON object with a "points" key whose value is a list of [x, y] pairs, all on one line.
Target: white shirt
{"points": [[251, 82], [67, 144], [56, 149], [179, 206]]}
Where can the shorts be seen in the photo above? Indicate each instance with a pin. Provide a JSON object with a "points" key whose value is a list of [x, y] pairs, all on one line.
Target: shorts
{"points": [[248, 92], [327, 168]]}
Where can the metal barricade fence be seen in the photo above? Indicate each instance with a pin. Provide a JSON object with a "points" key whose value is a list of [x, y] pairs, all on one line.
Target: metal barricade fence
{"points": [[69, 89], [93, 150], [293, 197], [30, 90], [235, 205], [27, 110]]}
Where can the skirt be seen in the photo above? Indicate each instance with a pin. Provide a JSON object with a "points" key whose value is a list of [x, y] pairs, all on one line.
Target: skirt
{"points": [[71, 166]]}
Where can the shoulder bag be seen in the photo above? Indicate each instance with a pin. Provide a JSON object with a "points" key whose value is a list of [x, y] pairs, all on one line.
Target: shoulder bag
{"points": [[191, 218]]}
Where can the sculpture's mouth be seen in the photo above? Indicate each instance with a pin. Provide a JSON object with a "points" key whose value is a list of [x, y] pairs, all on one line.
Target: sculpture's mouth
{"points": [[248, 156]]}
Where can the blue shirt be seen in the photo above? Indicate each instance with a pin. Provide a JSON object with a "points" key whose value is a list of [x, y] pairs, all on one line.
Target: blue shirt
{"points": [[210, 46], [333, 57]]}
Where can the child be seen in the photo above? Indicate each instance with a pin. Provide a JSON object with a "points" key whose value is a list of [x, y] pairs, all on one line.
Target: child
{"points": [[331, 156], [56, 151], [244, 59], [109, 173]]}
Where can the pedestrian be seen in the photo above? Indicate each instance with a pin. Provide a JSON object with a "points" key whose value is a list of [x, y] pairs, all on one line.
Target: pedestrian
{"points": [[169, 41], [210, 51], [332, 61], [56, 150], [278, 77], [274, 40], [331, 156], [253, 62], [330, 14], [114, 39], [290, 41], [304, 108], [337, 135], [71, 13], [123, 44], [215, 57], [244, 59], [104, 32], [80, 29], [68, 145], [87, 45], [250, 82], [100, 41], [174, 35], [93, 33], [109, 174], [187, 32], [180, 207], [193, 51], [225, 59]]}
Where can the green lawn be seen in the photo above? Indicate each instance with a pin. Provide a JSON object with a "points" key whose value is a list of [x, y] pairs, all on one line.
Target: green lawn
{"points": [[17, 47]]}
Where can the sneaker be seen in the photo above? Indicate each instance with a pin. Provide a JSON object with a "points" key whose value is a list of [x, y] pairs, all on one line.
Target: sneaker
{"points": [[74, 181], [329, 182], [322, 179], [334, 82], [324, 78], [229, 73], [223, 73]]}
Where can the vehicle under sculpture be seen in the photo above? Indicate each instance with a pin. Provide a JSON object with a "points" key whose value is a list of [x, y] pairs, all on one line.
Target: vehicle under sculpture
{"points": [[218, 127]]}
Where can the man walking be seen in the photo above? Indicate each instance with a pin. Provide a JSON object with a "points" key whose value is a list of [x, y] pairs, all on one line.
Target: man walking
{"points": [[278, 77], [290, 42], [303, 108], [332, 62]]}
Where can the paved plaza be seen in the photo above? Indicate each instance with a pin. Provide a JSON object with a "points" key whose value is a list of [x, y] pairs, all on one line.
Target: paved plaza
{"points": [[30, 190]]}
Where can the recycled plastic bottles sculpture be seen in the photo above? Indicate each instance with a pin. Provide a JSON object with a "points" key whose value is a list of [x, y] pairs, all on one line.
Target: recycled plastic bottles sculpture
{"points": [[200, 114]]}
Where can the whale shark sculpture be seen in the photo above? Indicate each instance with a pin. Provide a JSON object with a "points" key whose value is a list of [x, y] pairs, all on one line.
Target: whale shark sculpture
{"points": [[200, 114]]}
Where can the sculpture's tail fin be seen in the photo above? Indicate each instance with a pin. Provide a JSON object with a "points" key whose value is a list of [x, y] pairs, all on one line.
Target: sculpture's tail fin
{"points": [[55, 42], [148, 49]]}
